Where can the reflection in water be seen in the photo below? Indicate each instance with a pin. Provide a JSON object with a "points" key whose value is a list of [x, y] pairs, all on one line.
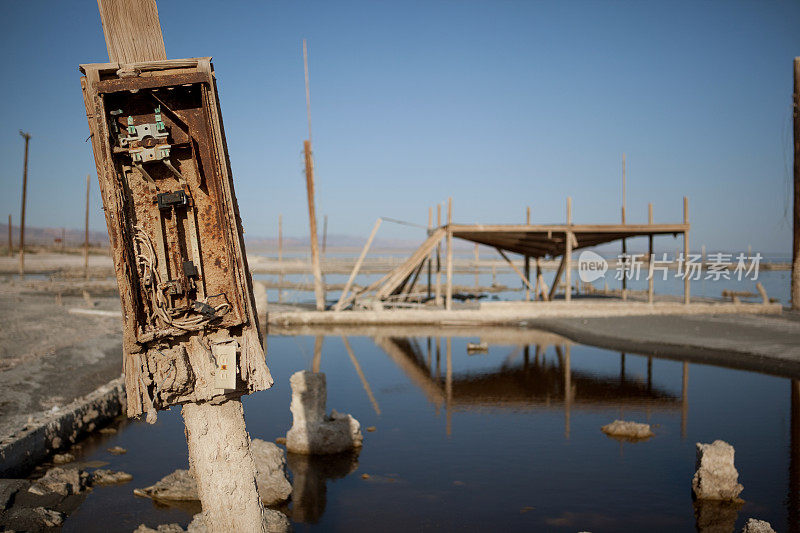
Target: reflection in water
{"points": [[793, 500], [715, 516], [310, 474], [541, 384]]}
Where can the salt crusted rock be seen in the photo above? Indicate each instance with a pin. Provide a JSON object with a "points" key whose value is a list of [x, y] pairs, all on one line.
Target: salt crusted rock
{"points": [[109, 477], [627, 430], [757, 526], [64, 481], [716, 477], [314, 433], [273, 486], [276, 522]]}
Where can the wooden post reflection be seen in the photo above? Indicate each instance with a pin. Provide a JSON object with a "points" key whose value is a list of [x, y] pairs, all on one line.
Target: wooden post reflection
{"points": [[567, 390], [317, 361], [361, 376], [649, 374], [449, 383], [684, 399], [438, 357], [526, 354], [429, 355], [622, 367], [538, 354]]}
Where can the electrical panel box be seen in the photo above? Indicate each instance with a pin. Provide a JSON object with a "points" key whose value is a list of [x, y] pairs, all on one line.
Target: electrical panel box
{"points": [[175, 232]]}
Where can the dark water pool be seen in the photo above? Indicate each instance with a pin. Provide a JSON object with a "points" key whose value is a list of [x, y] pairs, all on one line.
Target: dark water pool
{"points": [[508, 439]]}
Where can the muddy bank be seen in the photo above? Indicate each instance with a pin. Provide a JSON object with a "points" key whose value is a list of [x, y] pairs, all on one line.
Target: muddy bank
{"points": [[762, 343]]}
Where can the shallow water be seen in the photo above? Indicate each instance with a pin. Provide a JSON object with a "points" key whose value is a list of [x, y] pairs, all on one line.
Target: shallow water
{"points": [[493, 440]]}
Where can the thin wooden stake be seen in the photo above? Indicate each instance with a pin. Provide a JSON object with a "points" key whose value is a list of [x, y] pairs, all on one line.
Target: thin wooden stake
{"points": [[10, 238], [568, 255], [685, 251], [651, 281], [515, 269], [354, 273], [86, 232], [319, 290], [27, 137], [624, 241], [528, 259], [438, 297], [430, 255], [449, 300]]}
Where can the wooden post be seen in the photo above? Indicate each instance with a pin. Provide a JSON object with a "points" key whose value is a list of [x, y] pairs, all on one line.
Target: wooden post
{"points": [[430, 255], [685, 250], [796, 213], [568, 255], [220, 458], [316, 269], [27, 137], [438, 294], [477, 258], [86, 232], [624, 241], [63, 239], [316, 363], [324, 234], [651, 281], [449, 300], [354, 273], [280, 258], [528, 259], [10, 238]]}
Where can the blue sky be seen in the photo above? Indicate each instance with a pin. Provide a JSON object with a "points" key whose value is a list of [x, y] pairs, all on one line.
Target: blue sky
{"points": [[498, 104]]}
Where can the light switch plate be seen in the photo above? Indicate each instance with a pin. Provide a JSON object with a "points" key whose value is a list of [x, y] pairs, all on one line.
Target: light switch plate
{"points": [[225, 374]]}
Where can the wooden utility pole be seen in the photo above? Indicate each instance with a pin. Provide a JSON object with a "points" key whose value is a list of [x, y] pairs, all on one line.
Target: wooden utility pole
{"points": [[796, 211], [316, 269], [218, 359], [624, 242], [86, 233], [10, 238], [27, 137]]}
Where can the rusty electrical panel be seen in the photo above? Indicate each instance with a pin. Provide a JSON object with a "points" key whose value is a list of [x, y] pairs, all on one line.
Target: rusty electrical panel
{"points": [[190, 328]]}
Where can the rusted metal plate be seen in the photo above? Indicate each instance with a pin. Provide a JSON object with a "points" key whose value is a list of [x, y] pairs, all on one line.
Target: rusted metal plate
{"points": [[175, 234]]}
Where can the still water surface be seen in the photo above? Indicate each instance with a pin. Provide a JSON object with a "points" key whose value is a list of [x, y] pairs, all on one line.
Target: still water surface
{"points": [[508, 439]]}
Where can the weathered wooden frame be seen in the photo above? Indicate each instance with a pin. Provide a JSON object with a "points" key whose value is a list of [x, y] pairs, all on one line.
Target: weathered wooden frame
{"points": [[165, 367]]}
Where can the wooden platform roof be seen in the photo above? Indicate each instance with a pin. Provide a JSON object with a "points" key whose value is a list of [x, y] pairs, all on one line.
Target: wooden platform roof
{"points": [[550, 240]]}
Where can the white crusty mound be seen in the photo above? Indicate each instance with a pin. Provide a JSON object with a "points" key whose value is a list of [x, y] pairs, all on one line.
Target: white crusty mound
{"points": [[628, 430], [716, 478]]}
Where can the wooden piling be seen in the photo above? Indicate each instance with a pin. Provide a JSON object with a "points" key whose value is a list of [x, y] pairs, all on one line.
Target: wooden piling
{"points": [[568, 254], [685, 251], [528, 260], [449, 297], [430, 255], [438, 294], [10, 238], [796, 212], [86, 232], [27, 137], [316, 269], [650, 281]]}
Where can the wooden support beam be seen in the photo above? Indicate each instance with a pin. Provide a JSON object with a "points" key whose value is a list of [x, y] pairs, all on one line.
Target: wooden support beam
{"points": [[316, 269], [132, 30], [686, 280], [556, 279], [316, 362], [438, 297], [430, 255], [357, 266], [449, 296], [568, 254], [515, 269], [528, 258], [397, 276]]}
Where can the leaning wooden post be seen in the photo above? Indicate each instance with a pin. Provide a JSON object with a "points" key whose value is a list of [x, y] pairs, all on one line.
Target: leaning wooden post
{"points": [[796, 212], [316, 269], [438, 294], [10, 238], [354, 273], [192, 339], [528, 259], [651, 281], [686, 250], [86, 233], [449, 297], [568, 254], [27, 137]]}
